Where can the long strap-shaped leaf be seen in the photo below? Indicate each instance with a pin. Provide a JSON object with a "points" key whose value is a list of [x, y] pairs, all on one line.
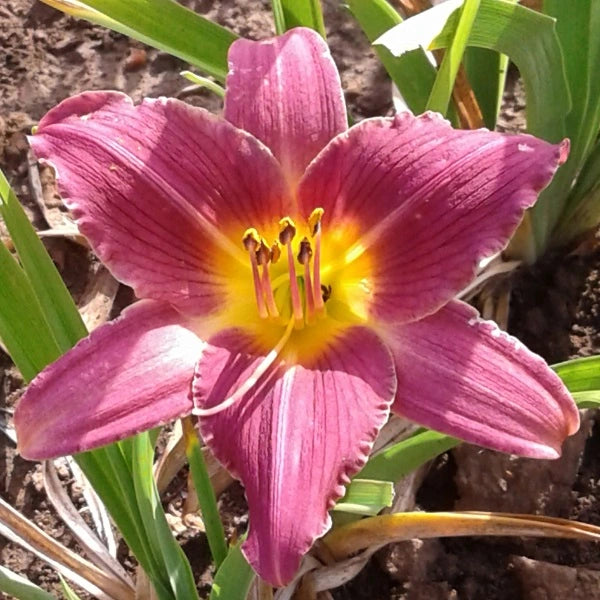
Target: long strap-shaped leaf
{"points": [[386, 529], [502, 26], [298, 13], [21, 588], [164, 24], [578, 27], [30, 330]]}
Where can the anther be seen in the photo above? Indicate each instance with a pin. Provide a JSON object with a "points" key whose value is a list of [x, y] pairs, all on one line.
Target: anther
{"points": [[263, 256], [314, 223], [305, 252], [252, 242], [287, 231], [251, 239], [304, 256], [275, 251]]}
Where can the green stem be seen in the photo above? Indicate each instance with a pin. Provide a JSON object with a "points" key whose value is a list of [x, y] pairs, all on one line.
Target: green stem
{"points": [[206, 494]]}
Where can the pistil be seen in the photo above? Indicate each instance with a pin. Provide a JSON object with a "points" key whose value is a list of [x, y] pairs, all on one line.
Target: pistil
{"points": [[287, 231], [252, 242], [314, 223]]}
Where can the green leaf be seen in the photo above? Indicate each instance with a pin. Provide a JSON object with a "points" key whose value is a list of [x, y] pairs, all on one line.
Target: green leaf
{"points": [[399, 460], [206, 494], [58, 307], [209, 84], [164, 24], [67, 590], [177, 570], [23, 328], [578, 28], [20, 588], [366, 497], [298, 13], [502, 26], [486, 72], [580, 374], [441, 92], [234, 578], [583, 210], [412, 72]]}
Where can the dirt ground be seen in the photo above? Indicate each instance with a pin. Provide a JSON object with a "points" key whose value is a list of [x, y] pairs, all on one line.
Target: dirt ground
{"points": [[555, 310]]}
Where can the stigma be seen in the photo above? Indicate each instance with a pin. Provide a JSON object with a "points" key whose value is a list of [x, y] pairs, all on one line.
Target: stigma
{"points": [[290, 289]]}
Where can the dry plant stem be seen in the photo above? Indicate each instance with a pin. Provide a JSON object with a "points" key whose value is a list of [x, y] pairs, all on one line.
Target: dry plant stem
{"points": [[98, 511], [467, 106], [95, 550], [98, 298], [403, 526], [265, 591], [35, 537], [143, 589]]}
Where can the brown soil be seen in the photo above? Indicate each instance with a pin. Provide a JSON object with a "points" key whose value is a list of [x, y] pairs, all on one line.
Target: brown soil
{"points": [[48, 57]]}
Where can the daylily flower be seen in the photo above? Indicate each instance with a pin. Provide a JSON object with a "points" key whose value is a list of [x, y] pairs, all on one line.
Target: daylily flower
{"points": [[297, 282]]}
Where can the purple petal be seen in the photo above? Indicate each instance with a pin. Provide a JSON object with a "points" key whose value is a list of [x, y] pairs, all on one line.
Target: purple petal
{"points": [[429, 202], [286, 91], [296, 438], [127, 376], [162, 190], [465, 377]]}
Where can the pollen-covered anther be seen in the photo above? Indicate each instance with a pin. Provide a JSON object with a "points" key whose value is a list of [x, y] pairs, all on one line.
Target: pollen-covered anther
{"points": [[314, 221], [287, 231], [251, 239]]}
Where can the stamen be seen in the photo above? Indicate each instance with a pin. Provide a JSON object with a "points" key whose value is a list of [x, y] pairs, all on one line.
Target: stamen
{"points": [[251, 241], [287, 231], [314, 222], [263, 255], [251, 381], [275, 251], [304, 256]]}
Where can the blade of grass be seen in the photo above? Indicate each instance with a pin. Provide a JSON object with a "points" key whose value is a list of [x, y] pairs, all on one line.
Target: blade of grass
{"points": [[443, 85], [164, 24], [21, 588], [205, 492]]}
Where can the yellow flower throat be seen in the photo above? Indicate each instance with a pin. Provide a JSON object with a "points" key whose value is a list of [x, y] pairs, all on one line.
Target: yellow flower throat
{"points": [[288, 296]]}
